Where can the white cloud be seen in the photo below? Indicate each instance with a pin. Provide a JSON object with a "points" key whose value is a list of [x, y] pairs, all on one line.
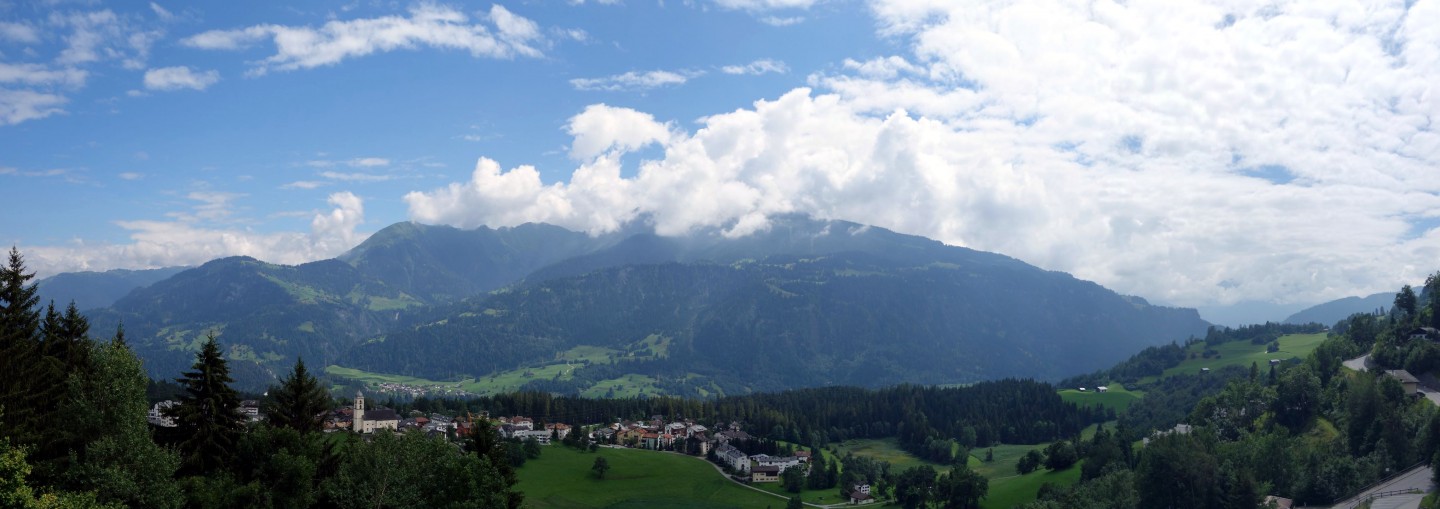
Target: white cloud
{"points": [[634, 81], [765, 5], [37, 74], [161, 12], [303, 184], [354, 177], [369, 162], [17, 106], [130, 175], [180, 77], [757, 67], [777, 21], [103, 36], [18, 32], [427, 25], [1156, 148], [601, 128], [186, 242]]}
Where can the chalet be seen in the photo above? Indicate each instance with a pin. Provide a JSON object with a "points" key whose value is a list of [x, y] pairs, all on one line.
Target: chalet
{"points": [[765, 474], [803, 456], [1102, 389], [861, 488], [1274, 362], [1425, 333], [1204, 371], [1406, 379], [605, 435], [1082, 389], [560, 430], [250, 409], [159, 414], [650, 440]]}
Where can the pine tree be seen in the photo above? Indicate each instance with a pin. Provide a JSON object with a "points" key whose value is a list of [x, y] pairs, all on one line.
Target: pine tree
{"points": [[28, 388], [300, 402], [207, 411]]}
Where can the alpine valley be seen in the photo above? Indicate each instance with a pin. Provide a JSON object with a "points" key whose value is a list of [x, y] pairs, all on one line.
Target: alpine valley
{"points": [[803, 303]]}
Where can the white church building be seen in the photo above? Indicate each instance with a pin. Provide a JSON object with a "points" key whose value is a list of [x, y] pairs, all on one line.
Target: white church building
{"points": [[369, 421]]}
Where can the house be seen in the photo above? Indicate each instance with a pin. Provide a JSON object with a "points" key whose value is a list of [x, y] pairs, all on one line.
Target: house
{"points": [[250, 409], [159, 414], [1082, 389], [1426, 333], [733, 457], [781, 462], [1181, 429], [1102, 389], [1204, 371], [1274, 362], [803, 456], [1406, 379], [765, 474], [650, 440], [858, 498], [861, 488], [561, 430]]}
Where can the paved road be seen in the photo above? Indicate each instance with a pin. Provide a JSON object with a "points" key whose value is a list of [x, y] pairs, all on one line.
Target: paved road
{"points": [[1359, 363], [1417, 478]]}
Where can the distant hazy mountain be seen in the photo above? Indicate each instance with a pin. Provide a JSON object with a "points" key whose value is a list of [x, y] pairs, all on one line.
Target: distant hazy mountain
{"points": [[91, 290], [805, 303], [1336, 310]]}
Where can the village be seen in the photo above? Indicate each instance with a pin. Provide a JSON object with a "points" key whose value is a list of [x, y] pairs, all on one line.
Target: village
{"points": [[724, 445]]}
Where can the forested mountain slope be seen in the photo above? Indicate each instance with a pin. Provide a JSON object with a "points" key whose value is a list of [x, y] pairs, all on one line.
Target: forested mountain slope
{"points": [[787, 321], [803, 303], [90, 290]]}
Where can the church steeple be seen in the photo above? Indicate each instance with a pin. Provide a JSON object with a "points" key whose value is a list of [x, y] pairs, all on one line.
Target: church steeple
{"points": [[359, 419]]}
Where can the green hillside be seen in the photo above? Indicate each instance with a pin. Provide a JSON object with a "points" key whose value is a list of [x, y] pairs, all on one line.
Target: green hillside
{"points": [[1243, 353]]}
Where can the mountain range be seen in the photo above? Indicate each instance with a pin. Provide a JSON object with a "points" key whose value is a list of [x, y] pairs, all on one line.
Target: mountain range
{"points": [[803, 303]]}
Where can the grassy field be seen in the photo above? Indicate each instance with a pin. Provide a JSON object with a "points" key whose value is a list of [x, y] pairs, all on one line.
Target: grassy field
{"points": [[886, 449], [627, 386], [1115, 397], [561, 479], [1013, 490], [1242, 353]]}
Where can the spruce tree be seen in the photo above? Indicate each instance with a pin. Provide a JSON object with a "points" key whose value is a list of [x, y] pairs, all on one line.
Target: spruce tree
{"points": [[207, 411], [300, 402], [29, 387]]}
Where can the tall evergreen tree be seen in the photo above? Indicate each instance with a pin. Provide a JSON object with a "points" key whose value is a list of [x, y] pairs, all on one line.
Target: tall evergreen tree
{"points": [[300, 402], [207, 411], [1406, 300], [28, 388]]}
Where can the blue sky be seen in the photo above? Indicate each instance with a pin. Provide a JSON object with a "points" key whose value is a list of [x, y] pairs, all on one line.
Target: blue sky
{"points": [[1201, 153]]}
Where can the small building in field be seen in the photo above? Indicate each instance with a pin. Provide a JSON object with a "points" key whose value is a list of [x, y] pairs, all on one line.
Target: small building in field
{"points": [[1102, 389], [765, 474]]}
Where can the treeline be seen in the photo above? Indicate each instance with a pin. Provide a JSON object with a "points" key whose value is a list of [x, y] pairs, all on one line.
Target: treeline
{"points": [[1258, 334], [74, 433], [929, 421], [1311, 431]]}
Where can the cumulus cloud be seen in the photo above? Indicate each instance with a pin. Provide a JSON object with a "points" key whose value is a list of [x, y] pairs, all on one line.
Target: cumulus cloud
{"points": [[506, 35], [779, 21], [181, 77], [1190, 152], [187, 242], [758, 67], [601, 128], [635, 81], [37, 74]]}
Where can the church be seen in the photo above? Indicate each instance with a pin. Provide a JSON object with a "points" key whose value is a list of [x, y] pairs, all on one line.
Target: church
{"points": [[369, 421]]}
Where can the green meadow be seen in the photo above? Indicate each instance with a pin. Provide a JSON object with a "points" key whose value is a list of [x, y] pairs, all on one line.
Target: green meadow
{"points": [[1115, 397], [1243, 353], [561, 479]]}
